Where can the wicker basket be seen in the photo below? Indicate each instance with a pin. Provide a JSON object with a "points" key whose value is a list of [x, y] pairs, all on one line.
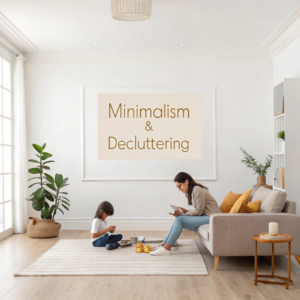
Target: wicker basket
{"points": [[39, 228]]}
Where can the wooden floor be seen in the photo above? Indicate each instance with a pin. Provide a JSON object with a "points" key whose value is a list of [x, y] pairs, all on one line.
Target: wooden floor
{"points": [[233, 280]]}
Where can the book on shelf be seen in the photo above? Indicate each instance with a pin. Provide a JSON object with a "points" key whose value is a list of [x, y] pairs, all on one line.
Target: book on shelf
{"points": [[267, 236], [281, 178]]}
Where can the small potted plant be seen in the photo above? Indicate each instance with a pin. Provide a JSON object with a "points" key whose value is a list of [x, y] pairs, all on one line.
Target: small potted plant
{"points": [[48, 198], [281, 135], [258, 169]]}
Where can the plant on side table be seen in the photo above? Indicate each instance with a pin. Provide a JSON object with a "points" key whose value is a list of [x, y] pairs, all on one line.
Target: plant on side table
{"points": [[258, 169], [48, 198]]}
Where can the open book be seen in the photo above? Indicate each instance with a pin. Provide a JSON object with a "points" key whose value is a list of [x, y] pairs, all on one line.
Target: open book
{"points": [[144, 239]]}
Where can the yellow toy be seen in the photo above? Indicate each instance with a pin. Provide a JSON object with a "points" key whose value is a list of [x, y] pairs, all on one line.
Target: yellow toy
{"points": [[148, 246], [139, 245], [146, 250]]}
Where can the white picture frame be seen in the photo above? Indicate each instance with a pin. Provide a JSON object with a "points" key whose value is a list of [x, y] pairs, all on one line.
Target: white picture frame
{"points": [[89, 171]]}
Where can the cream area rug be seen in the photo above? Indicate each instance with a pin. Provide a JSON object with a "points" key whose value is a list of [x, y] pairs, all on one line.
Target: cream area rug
{"points": [[79, 257]]}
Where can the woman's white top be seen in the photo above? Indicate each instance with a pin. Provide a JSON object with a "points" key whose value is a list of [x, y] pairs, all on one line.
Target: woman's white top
{"points": [[97, 226]]}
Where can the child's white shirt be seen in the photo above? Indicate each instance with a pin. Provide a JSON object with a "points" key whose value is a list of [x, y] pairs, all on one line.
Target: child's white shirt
{"points": [[98, 225]]}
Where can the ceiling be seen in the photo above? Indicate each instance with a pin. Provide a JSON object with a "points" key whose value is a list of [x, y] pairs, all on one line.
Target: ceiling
{"points": [[197, 24]]}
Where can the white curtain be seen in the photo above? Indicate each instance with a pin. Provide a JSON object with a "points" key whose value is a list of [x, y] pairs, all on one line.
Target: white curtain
{"points": [[20, 160]]}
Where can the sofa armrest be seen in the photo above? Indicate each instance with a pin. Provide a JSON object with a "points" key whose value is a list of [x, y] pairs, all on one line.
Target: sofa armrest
{"points": [[232, 234], [290, 207]]}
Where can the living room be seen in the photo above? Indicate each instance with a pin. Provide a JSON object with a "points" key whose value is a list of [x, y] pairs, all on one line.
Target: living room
{"points": [[143, 149]]}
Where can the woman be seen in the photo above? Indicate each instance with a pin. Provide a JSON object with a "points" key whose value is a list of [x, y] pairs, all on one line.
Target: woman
{"points": [[204, 206]]}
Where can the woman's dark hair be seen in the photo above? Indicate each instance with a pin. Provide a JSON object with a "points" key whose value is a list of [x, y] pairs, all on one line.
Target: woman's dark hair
{"points": [[106, 207], [182, 177]]}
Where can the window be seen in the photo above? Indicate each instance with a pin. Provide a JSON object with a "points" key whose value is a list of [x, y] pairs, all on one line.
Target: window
{"points": [[5, 146]]}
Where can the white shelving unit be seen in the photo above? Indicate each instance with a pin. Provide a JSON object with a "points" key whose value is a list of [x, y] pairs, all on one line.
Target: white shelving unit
{"points": [[286, 117], [279, 145]]}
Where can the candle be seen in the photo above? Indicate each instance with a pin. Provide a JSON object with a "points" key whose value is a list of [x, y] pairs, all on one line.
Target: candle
{"points": [[273, 228]]}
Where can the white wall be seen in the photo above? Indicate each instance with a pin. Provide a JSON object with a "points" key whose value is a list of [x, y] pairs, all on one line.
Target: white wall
{"points": [[287, 63], [244, 119]]}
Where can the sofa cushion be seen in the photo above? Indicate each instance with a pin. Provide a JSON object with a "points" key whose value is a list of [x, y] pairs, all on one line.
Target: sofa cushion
{"points": [[229, 201], [250, 207], [243, 199], [271, 200], [203, 231]]}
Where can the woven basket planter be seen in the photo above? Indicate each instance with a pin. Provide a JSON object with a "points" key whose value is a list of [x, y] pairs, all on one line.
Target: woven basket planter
{"points": [[39, 228], [261, 180]]}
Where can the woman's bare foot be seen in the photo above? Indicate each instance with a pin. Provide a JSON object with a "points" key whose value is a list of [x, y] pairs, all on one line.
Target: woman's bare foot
{"points": [[167, 246]]}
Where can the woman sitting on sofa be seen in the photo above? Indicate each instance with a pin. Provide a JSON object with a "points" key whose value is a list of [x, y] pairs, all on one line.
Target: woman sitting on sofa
{"points": [[204, 206]]}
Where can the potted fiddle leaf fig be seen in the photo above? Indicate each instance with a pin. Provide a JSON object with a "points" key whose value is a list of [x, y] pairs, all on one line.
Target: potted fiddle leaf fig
{"points": [[47, 198], [258, 169]]}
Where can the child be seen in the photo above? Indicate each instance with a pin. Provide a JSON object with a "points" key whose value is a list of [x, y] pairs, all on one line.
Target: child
{"points": [[99, 232]]}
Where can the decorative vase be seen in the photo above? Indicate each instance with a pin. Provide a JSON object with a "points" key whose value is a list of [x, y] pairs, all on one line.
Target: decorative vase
{"points": [[261, 180], [42, 228], [282, 146]]}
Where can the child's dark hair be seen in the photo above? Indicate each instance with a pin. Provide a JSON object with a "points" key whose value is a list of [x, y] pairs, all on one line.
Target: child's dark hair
{"points": [[106, 207]]}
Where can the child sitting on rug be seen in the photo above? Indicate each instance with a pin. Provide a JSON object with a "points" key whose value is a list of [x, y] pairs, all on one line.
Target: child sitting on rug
{"points": [[99, 232]]}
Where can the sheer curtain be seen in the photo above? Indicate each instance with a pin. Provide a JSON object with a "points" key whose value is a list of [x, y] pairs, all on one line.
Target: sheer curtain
{"points": [[20, 161]]}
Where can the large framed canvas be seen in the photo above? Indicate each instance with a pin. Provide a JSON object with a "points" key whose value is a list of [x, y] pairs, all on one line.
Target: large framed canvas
{"points": [[148, 133]]}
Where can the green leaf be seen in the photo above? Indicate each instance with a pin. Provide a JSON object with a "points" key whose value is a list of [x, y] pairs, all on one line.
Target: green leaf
{"points": [[65, 207], [34, 178], [34, 184], [35, 171], [34, 161], [46, 205], [38, 148], [61, 210], [64, 193], [64, 185], [51, 186], [46, 167], [39, 194], [29, 199], [44, 146], [49, 178], [48, 161], [51, 209], [46, 213], [65, 202], [58, 180], [45, 155], [66, 198], [37, 204], [49, 196], [64, 181], [38, 156]]}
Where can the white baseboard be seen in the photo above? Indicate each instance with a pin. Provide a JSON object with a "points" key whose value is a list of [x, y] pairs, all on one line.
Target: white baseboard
{"points": [[122, 224], [6, 233]]}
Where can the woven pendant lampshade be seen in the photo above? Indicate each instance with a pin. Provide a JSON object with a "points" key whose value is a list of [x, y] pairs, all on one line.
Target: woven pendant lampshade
{"points": [[131, 10]]}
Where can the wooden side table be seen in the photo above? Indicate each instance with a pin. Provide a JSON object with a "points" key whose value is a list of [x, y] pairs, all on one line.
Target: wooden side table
{"points": [[285, 281]]}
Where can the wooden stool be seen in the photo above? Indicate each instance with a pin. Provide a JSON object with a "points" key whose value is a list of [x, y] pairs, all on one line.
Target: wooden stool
{"points": [[285, 281]]}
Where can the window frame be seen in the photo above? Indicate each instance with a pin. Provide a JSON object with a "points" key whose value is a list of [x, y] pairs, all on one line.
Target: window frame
{"points": [[9, 57]]}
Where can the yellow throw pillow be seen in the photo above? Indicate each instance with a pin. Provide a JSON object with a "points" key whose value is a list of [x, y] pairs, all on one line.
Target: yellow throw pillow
{"points": [[252, 207], [229, 201], [243, 199]]}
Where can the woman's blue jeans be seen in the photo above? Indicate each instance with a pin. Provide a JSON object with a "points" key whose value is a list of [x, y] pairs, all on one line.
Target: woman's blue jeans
{"points": [[184, 222], [107, 239]]}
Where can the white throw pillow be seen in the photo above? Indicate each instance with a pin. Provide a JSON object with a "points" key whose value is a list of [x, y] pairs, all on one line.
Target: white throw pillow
{"points": [[271, 200]]}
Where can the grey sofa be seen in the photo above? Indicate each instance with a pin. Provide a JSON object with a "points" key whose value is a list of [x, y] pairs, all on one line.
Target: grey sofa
{"points": [[231, 234]]}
